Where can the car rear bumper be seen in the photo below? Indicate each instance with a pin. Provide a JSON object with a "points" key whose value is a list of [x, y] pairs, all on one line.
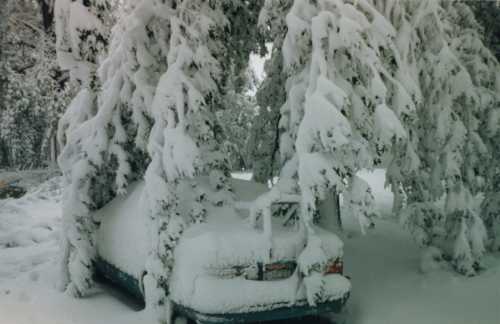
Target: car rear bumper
{"points": [[299, 309], [256, 313]]}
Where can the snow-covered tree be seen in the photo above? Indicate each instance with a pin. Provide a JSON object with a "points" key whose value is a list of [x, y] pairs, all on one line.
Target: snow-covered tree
{"points": [[265, 130], [241, 37], [478, 110], [236, 120], [161, 87], [336, 118], [271, 94], [482, 68], [33, 104], [185, 138], [21, 123], [32, 79], [81, 39], [439, 42], [487, 14]]}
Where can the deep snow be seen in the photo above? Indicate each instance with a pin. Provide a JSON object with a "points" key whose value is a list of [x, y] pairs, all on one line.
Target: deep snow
{"points": [[384, 265]]}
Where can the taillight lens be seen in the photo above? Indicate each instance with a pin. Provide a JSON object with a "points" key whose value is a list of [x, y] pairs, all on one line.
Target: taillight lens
{"points": [[271, 271], [335, 267], [277, 267], [278, 270]]}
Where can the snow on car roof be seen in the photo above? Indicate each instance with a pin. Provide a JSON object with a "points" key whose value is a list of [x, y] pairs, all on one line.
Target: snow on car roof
{"points": [[123, 238]]}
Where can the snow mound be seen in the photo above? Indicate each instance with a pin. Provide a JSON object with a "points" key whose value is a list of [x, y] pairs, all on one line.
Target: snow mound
{"points": [[29, 228]]}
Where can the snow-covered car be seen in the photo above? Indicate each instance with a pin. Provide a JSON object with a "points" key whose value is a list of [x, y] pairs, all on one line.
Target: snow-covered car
{"points": [[225, 270]]}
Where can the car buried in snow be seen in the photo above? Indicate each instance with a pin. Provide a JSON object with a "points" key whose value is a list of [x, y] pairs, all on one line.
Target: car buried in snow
{"points": [[225, 270]]}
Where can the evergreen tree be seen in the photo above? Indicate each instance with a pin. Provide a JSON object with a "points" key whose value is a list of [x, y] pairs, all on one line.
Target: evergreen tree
{"points": [[21, 123], [29, 72], [81, 39], [162, 86], [236, 120], [336, 117], [457, 76], [482, 69], [241, 37], [185, 138], [487, 13], [271, 95], [29, 118]]}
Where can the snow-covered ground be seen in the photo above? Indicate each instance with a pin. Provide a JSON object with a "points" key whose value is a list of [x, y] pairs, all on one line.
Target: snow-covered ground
{"points": [[387, 285]]}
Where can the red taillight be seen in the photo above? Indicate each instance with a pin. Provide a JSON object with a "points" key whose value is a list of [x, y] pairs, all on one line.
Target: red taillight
{"points": [[278, 270], [336, 267], [276, 266]]}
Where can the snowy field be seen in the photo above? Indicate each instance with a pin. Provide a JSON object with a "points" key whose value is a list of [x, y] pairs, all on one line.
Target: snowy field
{"points": [[387, 285]]}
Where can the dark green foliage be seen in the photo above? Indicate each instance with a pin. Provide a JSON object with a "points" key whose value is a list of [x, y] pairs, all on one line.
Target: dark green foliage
{"points": [[487, 13], [265, 135], [236, 121], [241, 37]]}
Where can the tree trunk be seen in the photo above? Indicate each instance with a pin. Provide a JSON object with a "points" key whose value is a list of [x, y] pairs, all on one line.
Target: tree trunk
{"points": [[4, 154], [53, 151], [337, 212], [47, 9]]}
